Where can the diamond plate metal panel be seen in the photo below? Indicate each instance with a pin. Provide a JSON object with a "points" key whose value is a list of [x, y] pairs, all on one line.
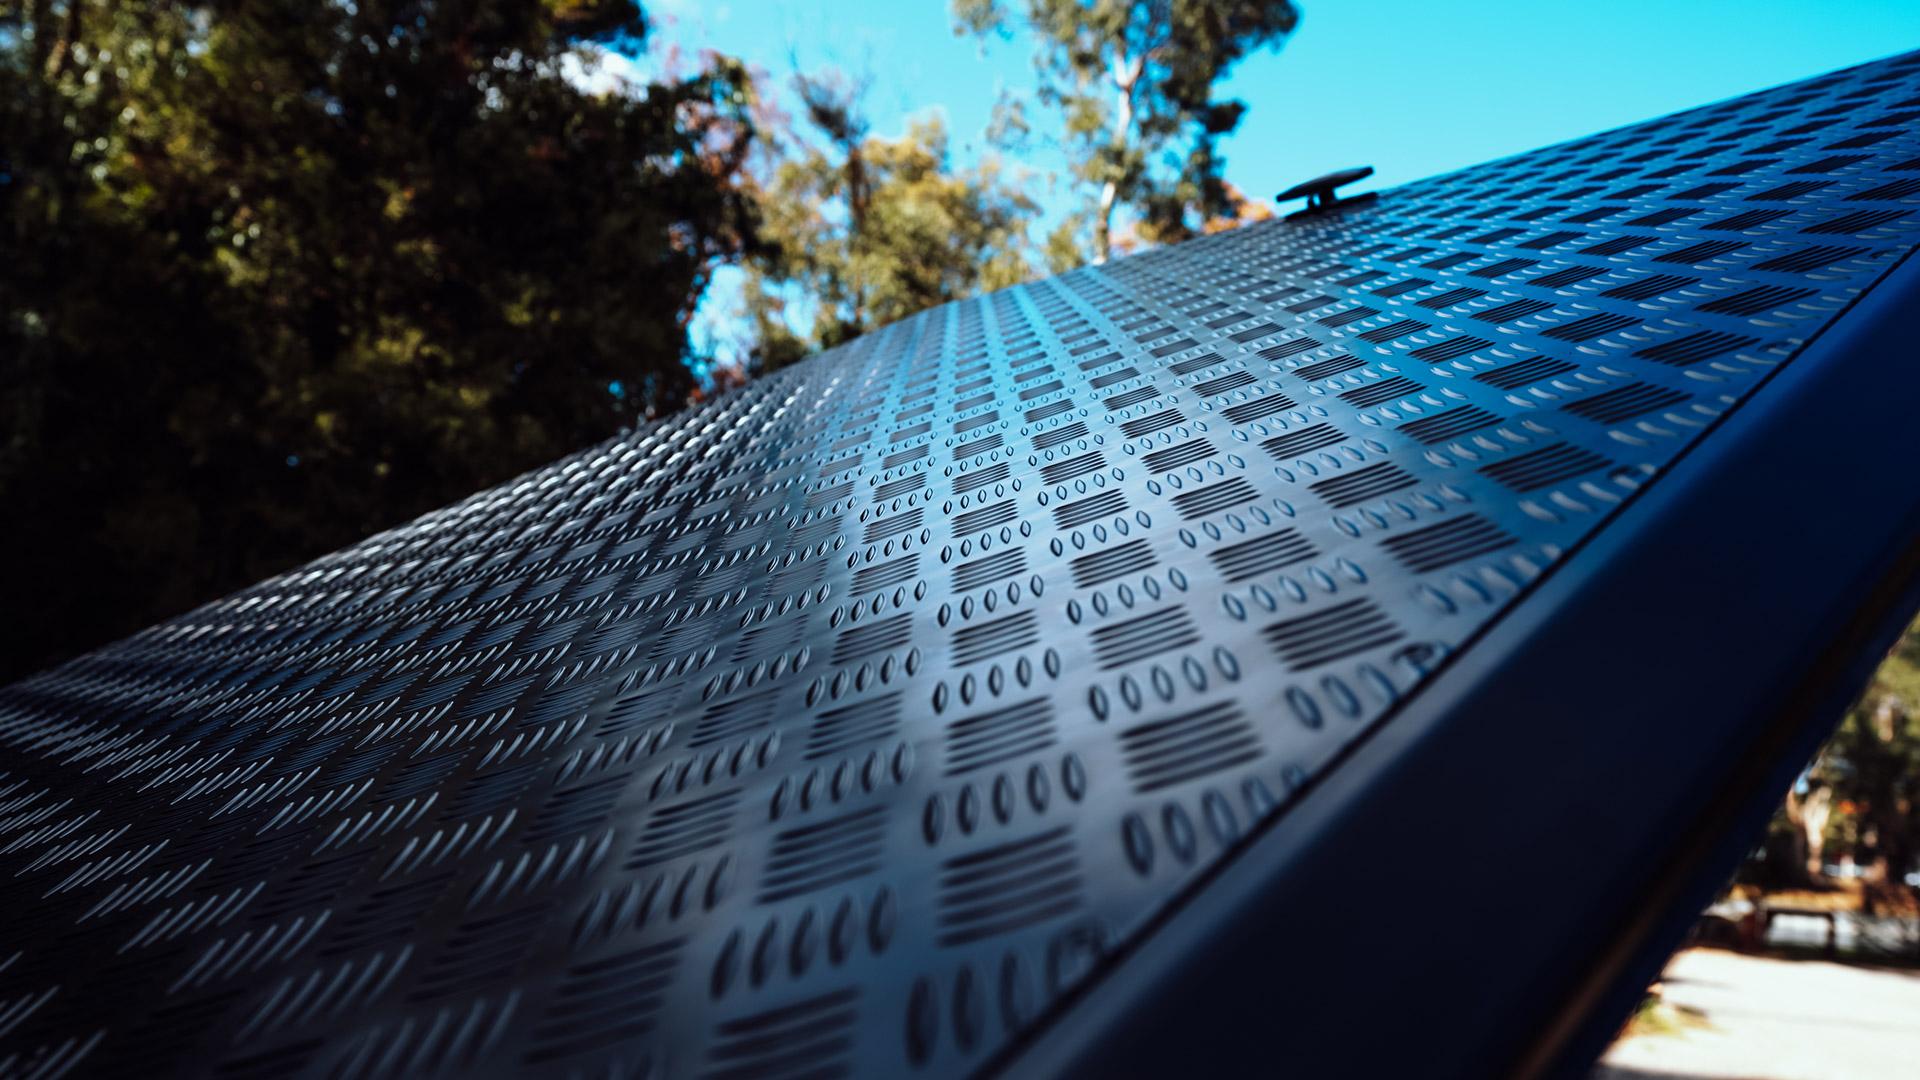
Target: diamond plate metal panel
{"points": [[840, 725]]}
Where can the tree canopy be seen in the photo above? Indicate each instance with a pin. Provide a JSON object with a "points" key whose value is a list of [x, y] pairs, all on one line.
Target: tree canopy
{"points": [[1860, 799], [279, 273], [868, 230], [1134, 82]]}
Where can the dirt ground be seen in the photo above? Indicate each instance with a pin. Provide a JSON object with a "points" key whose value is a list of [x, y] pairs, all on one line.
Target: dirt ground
{"points": [[1742, 1017]]}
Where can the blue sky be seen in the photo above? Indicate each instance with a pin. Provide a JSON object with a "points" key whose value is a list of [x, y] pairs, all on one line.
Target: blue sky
{"points": [[1410, 88]]}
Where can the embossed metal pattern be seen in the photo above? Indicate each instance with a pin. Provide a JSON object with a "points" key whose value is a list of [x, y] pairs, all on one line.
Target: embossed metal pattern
{"points": [[839, 725]]}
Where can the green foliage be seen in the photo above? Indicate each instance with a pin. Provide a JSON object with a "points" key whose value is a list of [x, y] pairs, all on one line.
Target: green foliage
{"points": [[279, 273], [1861, 795], [1872, 766], [1133, 81], [869, 230]]}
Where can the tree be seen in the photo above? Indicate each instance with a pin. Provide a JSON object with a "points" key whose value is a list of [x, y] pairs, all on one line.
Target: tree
{"points": [[861, 230], [1809, 811], [1860, 798], [1872, 766], [275, 274], [1236, 210], [1134, 82]]}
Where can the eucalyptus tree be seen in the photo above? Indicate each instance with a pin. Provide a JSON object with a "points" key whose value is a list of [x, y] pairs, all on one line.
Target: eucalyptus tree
{"points": [[1134, 83]]}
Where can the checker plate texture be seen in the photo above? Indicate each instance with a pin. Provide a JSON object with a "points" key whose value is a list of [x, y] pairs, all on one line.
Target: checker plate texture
{"points": [[842, 724]]}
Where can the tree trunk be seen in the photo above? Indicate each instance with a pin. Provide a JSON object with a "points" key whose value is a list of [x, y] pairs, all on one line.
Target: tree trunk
{"points": [[1103, 224], [1126, 76], [1808, 815], [1817, 808]]}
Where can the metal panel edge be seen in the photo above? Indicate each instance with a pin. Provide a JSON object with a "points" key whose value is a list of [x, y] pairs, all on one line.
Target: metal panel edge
{"points": [[1740, 601]]}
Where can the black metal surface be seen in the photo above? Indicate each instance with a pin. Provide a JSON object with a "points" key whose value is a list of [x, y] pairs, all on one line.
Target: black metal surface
{"points": [[1319, 191], [896, 712]]}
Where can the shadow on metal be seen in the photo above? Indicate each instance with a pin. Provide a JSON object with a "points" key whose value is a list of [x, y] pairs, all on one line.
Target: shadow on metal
{"points": [[1349, 645]]}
